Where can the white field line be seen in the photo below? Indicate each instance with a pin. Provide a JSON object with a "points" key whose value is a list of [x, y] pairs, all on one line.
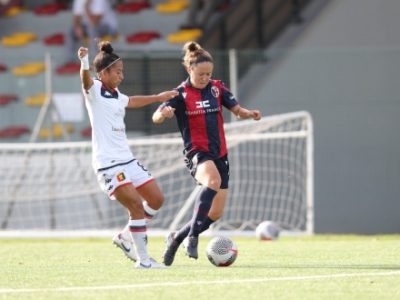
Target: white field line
{"points": [[204, 282]]}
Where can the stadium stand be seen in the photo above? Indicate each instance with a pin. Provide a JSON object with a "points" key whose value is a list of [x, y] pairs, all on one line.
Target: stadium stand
{"points": [[147, 43]]}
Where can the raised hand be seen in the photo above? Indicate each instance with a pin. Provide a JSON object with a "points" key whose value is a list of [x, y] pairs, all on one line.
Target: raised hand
{"points": [[82, 52]]}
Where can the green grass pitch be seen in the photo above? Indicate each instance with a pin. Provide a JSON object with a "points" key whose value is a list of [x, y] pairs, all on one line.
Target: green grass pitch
{"points": [[319, 267]]}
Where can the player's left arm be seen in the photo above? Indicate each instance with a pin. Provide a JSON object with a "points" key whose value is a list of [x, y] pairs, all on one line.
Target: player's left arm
{"points": [[244, 113], [229, 101], [140, 101]]}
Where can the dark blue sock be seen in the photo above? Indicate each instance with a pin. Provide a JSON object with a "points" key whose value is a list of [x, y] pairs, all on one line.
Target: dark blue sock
{"points": [[184, 231], [201, 208]]}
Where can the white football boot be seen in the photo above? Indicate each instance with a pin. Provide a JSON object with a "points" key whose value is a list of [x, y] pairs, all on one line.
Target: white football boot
{"points": [[149, 264], [125, 245]]}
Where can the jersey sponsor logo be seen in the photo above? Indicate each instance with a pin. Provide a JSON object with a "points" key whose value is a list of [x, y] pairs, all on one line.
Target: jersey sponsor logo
{"points": [[121, 129], [203, 104], [215, 91], [121, 177], [202, 111]]}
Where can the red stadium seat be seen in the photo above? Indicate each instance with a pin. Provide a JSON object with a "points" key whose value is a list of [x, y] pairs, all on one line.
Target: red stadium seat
{"points": [[49, 9], [3, 68], [142, 37], [6, 99], [86, 132], [54, 40], [126, 8], [68, 68], [13, 131]]}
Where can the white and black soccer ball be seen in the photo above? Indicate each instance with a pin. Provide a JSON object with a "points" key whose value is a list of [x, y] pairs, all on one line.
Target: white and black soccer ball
{"points": [[221, 251], [267, 231]]}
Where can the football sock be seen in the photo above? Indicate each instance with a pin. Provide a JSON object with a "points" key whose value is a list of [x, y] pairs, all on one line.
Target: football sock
{"points": [[126, 233], [139, 235], [184, 231], [149, 212], [201, 208]]}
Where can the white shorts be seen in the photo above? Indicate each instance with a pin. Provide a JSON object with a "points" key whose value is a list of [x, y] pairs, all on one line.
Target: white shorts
{"points": [[115, 177]]}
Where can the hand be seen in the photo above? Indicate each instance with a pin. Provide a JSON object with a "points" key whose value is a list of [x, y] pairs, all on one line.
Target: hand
{"points": [[167, 95], [82, 52], [255, 114], [167, 112]]}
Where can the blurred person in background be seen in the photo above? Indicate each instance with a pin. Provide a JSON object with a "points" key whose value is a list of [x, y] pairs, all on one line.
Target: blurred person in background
{"points": [[201, 13], [92, 20]]}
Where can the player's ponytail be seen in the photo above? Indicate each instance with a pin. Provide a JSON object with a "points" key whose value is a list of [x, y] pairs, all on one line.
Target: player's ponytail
{"points": [[105, 58], [106, 47], [194, 54]]}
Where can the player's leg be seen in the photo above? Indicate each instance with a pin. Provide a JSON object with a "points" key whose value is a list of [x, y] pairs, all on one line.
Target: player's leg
{"points": [[110, 180], [131, 200], [208, 176], [153, 196]]}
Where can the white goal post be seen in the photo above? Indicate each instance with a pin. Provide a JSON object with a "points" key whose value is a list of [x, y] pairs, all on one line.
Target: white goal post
{"points": [[52, 186]]}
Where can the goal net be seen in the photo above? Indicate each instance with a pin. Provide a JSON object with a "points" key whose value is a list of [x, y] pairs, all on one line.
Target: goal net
{"points": [[52, 186]]}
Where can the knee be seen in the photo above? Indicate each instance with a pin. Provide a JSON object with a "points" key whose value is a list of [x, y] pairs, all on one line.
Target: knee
{"points": [[156, 202], [214, 183]]}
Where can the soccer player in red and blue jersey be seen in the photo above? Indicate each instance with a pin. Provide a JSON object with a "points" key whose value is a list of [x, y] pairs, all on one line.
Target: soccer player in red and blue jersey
{"points": [[198, 110]]}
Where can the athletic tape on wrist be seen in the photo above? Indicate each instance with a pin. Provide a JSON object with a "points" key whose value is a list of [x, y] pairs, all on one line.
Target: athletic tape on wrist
{"points": [[85, 62]]}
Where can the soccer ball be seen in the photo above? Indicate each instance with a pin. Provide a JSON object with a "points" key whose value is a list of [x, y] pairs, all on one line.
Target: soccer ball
{"points": [[221, 251], [267, 231]]}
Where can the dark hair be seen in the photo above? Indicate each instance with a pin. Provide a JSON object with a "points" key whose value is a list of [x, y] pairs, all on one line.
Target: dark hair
{"points": [[195, 54], [105, 58]]}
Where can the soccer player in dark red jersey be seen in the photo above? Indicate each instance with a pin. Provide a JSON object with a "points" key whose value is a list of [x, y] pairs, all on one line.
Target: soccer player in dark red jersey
{"points": [[198, 110]]}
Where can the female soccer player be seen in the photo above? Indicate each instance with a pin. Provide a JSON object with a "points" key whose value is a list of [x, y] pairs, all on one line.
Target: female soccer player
{"points": [[120, 174], [198, 110]]}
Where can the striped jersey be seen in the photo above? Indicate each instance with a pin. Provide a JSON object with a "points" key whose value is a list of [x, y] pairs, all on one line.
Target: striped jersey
{"points": [[199, 116]]}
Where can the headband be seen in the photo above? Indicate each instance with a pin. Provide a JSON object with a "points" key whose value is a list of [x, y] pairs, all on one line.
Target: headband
{"points": [[111, 64]]}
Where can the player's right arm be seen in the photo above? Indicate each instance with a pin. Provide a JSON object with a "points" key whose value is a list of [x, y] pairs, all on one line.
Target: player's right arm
{"points": [[87, 81]]}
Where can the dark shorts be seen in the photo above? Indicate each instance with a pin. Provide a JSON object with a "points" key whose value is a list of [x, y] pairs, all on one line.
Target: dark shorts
{"points": [[222, 164]]}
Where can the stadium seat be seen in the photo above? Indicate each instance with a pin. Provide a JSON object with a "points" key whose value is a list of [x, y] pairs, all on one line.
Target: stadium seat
{"points": [[86, 132], [3, 68], [68, 68], [18, 39], [13, 131], [56, 131], [127, 8], [49, 9], [54, 39], [172, 6], [6, 99], [36, 100], [185, 35], [142, 37], [29, 69], [13, 11]]}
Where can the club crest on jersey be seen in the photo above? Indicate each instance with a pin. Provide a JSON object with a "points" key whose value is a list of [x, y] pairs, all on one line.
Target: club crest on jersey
{"points": [[215, 91], [121, 177]]}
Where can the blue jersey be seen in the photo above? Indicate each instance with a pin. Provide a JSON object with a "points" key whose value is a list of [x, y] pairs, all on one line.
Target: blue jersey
{"points": [[199, 116]]}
